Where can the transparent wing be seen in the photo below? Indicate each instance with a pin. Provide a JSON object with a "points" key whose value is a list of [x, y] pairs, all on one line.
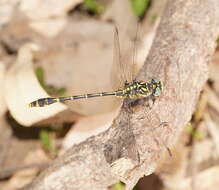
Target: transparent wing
{"points": [[124, 67], [134, 53], [117, 75], [130, 52]]}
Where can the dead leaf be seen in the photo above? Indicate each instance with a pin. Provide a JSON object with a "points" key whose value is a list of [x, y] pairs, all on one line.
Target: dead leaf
{"points": [[25, 176], [49, 27], [87, 127], [22, 87], [49, 16], [207, 179], [6, 10], [41, 9]]}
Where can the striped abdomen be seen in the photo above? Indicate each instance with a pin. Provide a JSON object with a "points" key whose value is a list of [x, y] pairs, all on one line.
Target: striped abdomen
{"points": [[47, 101]]}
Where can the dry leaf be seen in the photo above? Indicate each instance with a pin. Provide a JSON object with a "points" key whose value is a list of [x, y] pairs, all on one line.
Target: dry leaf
{"points": [[22, 87], [48, 17], [6, 10], [25, 176], [49, 27], [41, 9], [87, 127], [207, 179]]}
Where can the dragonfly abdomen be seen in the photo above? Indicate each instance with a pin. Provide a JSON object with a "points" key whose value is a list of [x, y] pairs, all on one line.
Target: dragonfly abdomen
{"points": [[47, 101]]}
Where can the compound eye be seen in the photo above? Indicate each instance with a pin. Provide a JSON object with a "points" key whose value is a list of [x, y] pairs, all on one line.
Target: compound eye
{"points": [[157, 92]]}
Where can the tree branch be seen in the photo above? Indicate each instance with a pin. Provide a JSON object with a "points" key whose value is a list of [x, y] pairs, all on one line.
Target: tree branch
{"points": [[131, 147]]}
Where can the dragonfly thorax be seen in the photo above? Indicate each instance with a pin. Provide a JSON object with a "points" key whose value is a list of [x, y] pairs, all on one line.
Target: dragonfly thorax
{"points": [[141, 89], [137, 89]]}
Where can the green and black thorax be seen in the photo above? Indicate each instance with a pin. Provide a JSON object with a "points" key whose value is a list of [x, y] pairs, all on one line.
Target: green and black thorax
{"points": [[141, 89]]}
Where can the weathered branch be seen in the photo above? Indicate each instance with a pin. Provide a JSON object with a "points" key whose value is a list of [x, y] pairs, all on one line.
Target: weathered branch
{"points": [[183, 46]]}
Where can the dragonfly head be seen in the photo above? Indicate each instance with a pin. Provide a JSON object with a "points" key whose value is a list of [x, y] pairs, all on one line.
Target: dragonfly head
{"points": [[157, 86]]}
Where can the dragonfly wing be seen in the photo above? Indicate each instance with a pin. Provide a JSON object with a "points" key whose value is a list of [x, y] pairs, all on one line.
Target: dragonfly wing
{"points": [[134, 52], [117, 75], [124, 67]]}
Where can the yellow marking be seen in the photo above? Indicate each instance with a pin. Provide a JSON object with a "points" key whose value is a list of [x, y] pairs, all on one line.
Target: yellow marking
{"points": [[141, 83], [120, 96]]}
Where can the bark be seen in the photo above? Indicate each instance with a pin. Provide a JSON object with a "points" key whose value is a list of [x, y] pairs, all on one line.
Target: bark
{"points": [[133, 145]]}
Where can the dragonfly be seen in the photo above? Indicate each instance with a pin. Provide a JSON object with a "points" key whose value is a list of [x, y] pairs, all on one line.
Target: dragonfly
{"points": [[129, 86]]}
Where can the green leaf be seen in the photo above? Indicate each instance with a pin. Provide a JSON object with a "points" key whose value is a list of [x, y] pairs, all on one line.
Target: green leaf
{"points": [[61, 91], [139, 6], [118, 186], [48, 88], [40, 75], [196, 134], [45, 139], [93, 6]]}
